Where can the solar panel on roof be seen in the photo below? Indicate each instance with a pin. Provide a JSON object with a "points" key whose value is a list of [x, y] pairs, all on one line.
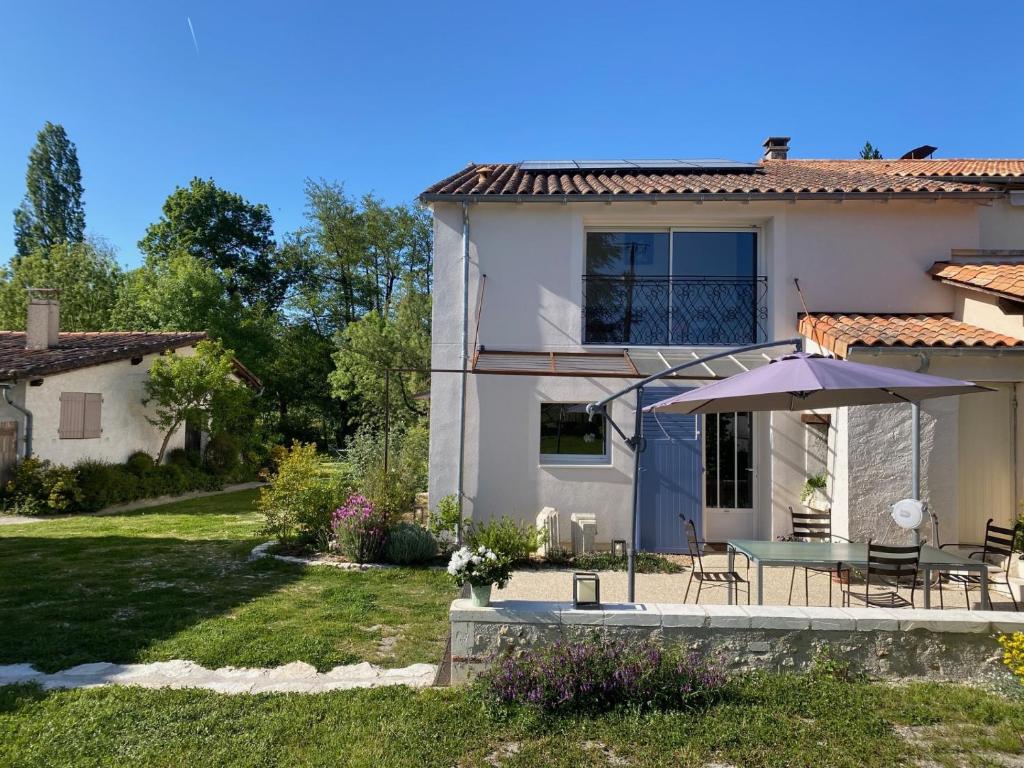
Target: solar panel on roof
{"points": [[642, 164]]}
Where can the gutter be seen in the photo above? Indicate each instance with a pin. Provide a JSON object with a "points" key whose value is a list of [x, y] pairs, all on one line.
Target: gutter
{"points": [[6, 387], [707, 197]]}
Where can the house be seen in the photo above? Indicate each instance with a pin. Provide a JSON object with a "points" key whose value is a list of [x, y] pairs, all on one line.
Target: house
{"points": [[73, 396], [557, 283]]}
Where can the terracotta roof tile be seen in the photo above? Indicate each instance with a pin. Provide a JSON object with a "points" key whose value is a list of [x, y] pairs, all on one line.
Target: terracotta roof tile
{"points": [[1006, 279], [81, 350], [769, 178], [839, 332]]}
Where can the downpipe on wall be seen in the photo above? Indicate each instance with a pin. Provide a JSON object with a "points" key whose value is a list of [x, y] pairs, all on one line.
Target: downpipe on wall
{"points": [[6, 387], [465, 365]]}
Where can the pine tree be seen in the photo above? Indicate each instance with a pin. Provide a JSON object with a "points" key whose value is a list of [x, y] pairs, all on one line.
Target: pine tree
{"points": [[869, 152], [52, 211]]}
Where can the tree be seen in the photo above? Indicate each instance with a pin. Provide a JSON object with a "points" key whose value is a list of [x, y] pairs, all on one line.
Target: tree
{"points": [[86, 274], [222, 229], [869, 152], [52, 211], [198, 389]]}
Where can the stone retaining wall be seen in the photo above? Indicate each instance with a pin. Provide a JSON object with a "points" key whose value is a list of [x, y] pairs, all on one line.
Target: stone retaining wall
{"points": [[895, 644]]}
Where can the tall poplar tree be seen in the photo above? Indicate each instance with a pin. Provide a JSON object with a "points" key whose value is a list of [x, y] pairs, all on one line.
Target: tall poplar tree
{"points": [[52, 211]]}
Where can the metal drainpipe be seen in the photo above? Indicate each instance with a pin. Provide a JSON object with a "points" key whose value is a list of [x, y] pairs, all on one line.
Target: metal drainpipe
{"points": [[915, 446], [6, 386], [465, 363]]}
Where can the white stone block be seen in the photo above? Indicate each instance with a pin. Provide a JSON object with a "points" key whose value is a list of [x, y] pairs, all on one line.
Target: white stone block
{"points": [[508, 612], [727, 617], [585, 616], [632, 615], [875, 619], [1004, 621], [680, 615], [777, 617], [831, 619], [958, 621]]}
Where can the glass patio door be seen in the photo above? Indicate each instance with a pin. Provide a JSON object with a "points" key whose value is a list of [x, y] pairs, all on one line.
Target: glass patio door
{"points": [[729, 461]]}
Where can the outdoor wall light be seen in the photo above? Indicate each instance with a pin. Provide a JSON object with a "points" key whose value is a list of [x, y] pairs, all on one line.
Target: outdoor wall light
{"points": [[586, 590], [618, 548]]}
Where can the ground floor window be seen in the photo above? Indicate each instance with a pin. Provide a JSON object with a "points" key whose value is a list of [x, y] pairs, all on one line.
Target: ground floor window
{"points": [[568, 435], [729, 460]]}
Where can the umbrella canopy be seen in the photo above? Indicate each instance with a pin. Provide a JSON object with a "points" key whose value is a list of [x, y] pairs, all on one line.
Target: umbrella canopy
{"points": [[803, 381]]}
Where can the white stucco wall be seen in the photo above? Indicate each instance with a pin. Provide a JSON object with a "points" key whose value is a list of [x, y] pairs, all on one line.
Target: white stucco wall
{"points": [[123, 417], [850, 256]]}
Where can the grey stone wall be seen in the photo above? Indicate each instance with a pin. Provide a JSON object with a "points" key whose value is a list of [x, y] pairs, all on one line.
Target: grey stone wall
{"points": [[891, 644]]}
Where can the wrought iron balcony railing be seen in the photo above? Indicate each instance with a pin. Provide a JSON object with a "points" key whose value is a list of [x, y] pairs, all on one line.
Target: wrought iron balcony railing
{"points": [[674, 311]]}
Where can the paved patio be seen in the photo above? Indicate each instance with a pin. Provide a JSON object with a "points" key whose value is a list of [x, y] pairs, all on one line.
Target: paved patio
{"points": [[552, 584]]}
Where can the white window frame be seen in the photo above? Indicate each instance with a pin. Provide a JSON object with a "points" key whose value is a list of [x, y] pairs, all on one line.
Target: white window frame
{"points": [[574, 459], [735, 459]]}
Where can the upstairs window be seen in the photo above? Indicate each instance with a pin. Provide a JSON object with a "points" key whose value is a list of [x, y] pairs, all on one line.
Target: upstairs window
{"points": [[80, 415], [569, 436], [673, 288]]}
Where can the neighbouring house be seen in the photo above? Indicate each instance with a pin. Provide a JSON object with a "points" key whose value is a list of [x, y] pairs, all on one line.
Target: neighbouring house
{"points": [[556, 283], [73, 396]]}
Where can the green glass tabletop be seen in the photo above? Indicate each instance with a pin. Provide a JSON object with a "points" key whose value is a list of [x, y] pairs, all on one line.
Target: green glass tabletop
{"points": [[825, 553]]}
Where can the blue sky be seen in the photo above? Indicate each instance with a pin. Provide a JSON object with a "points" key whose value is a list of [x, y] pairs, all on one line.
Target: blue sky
{"points": [[388, 97]]}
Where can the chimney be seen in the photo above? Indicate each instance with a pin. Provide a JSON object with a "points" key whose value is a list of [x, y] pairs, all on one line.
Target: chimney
{"points": [[43, 318], [776, 148]]}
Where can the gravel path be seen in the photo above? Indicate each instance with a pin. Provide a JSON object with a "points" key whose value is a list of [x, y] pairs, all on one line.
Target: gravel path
{"points": [[296, 677]]}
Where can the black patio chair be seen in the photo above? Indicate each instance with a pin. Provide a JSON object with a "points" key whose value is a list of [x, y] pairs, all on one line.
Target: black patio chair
{"points": [[890, 567], [965, 547], [997, 552], [729, 579], [813, 526]]}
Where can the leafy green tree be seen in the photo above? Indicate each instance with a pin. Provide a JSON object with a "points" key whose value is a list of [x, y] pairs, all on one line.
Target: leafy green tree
{"points": [[374, 344], [229, 234], [52, 211], [198, 389], [869, 152], [86, 274]]}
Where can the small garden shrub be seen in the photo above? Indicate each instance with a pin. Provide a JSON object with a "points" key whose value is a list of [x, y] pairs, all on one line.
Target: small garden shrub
{"points": [[181, 457], [140, 463], [1013, 653], [360, 530], [37, 484], [410, 544], [301, 498], [222, 455], [389, 491], [599, 674], [444, 521], [514, 541]]}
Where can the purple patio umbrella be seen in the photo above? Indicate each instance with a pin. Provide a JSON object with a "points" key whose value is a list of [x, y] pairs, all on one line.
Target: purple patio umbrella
{"points": [[803, 381]]}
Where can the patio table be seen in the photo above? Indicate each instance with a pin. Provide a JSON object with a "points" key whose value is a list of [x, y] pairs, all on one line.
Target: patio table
{"points": [[825, 555]]}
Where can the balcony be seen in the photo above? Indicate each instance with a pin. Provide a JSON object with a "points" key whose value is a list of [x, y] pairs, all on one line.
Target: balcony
{"points": [[718, 311]]}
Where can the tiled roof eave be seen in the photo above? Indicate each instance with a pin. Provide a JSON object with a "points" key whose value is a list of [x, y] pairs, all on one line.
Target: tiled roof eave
{"points": [[607, 197]]}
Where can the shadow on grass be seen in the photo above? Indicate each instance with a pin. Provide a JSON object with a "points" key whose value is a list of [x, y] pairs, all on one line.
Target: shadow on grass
{"points": [[66, 601]]}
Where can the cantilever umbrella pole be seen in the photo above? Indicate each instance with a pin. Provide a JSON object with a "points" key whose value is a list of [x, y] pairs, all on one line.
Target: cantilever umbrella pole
{"points": [[637, 443]]}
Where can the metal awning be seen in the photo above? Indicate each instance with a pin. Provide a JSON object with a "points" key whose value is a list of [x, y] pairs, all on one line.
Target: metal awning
{"points": [[624, 363]]}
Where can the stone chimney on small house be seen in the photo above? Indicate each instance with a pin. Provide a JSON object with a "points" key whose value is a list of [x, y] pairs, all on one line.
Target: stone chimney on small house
{"points": [[43, 318], [776, 148]]}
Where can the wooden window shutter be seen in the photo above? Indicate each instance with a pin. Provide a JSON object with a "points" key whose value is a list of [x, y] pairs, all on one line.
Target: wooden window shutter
{"points": [[91, 421], [72, 415]]}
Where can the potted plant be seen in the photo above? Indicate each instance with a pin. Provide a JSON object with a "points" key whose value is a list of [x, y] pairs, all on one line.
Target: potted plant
{"points": [[481, 569], [812, 495]]}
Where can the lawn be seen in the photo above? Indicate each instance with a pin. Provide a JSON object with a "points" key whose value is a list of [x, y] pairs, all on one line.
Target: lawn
{"points": [[174, 582], [768, 720]]}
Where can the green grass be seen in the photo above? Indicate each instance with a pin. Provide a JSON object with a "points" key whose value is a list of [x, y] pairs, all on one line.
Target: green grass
{"points": [[766, 721], [174, 582]]}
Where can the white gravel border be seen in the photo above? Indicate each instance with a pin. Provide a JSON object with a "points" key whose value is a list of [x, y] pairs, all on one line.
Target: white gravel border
{"points": [[262, 550], [297, 677]]}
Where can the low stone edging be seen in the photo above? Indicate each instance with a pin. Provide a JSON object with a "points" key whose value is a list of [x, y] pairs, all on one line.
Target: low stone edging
{"points": [[296, 677], [886, 643], [263, 550]]}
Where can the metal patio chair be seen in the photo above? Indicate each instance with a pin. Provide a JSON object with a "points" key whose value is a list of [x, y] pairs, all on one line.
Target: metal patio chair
{"points": [[936, 541], [731, 580], [890, 567], [812, 526], [997, 551]]}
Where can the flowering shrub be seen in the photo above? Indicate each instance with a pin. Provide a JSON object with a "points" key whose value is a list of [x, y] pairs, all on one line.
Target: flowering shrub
{"points": [[360, 530], [600, 674], [1013, 653], [479, 567]]}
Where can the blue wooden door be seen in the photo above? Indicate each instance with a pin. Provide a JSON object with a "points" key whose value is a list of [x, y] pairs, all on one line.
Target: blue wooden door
{"points": [[670, 476]]}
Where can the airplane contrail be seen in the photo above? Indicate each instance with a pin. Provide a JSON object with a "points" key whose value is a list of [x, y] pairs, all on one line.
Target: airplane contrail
{"points": [[193, 31]]}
